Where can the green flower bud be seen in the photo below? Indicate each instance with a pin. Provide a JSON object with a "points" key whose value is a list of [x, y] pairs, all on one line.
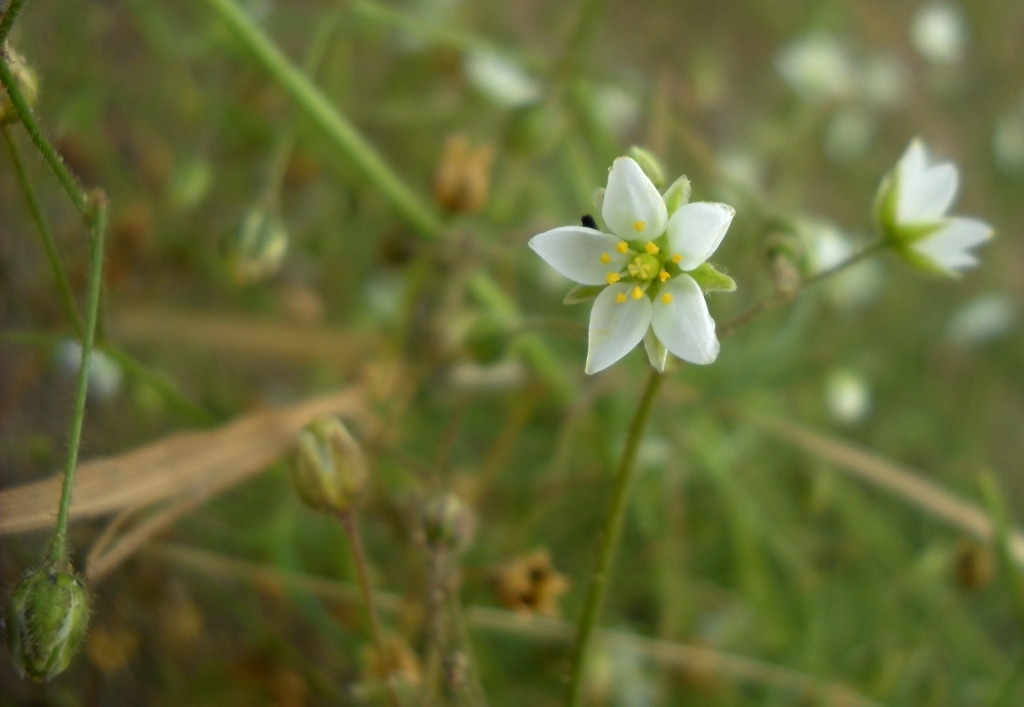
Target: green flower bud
{"points": [[448, 522], [487, 339], [649, 164], [46, 619], [678, 194], [329, 471], [711, 280], [27, 82], [258, 246]]}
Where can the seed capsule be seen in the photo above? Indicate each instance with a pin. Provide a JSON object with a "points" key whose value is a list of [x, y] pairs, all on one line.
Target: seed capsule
{"points": [[258, 246], [47, 616], [448, 522], [329, 471], [27, 83]]}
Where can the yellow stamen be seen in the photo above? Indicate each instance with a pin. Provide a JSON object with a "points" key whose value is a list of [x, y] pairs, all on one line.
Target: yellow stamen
{"points": [[612, 278], [622, 247], [666, 298], [664, 275], [621, 297], [677, 258], [605, 258], [639, 226], [637, 293], [651, 248]]}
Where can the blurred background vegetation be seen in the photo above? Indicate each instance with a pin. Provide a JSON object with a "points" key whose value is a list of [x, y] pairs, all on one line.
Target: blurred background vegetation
{"points": [[250, 266]]}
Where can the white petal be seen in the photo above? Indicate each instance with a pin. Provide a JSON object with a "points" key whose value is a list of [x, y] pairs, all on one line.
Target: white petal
{"points": [[684, 325], [616, 327], [925, 192], [948, 247], [657, 354], [695, 230], [576, 252], [632, 201]]}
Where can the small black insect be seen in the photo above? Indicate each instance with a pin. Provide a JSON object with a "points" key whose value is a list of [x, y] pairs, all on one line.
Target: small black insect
{"points": [[589, 222]]}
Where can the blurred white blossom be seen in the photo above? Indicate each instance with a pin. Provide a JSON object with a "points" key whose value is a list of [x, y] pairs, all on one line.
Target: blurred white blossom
{"points": [[847, 396], [817, 67], [617, 109], [104, 372], [826, 247], [849, 134], [981, 320], [883, 81], [938, 33], [504, 82], [1008, 142]]}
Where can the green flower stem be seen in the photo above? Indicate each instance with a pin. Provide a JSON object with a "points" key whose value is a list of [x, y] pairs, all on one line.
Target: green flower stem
{"points": [[582, 38], [97, 231], [350, 522], [49, 244], [78, 194], [9, 17], [779, 297], [609, 541], [341, 132]]}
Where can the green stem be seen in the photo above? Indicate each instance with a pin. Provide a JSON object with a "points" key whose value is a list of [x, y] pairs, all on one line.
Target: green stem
{"points": [[778, 297], [350, 522], [340, 131], [9, 17], [49, 244], [582, 37], [98, 227], [71, 185], [609, 541]]}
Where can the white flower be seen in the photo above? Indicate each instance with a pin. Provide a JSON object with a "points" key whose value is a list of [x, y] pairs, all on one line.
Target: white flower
{"points": [[817, 67], [937, 32], [911, 209], [645, 269], [502, 81]]}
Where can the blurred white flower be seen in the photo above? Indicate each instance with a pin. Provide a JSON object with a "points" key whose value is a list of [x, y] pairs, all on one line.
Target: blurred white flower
{"points": [[473, 377], [849, 134], [502, 81], [741, 167], [645, 276], [938, 33], [883, 81], [981, 320], [104, 372], [847, 396], [617, 109], [1008, 143], [911, 210], [816, 67], [826, 247]]}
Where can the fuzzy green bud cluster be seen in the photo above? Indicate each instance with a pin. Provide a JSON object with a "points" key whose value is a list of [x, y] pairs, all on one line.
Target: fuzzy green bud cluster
{"points": [[47, 617], [258, 246], [448, 522], [329, 470], [27, 83]]}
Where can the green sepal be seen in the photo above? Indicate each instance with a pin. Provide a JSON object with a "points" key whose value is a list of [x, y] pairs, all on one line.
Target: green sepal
{"points": [[711, 280], [649, 164], [921, 262], [677, 195], [582, 293]]}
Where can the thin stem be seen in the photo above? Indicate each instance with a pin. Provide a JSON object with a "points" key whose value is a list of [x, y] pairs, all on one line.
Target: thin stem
{"points": [[610, 539], [69, 181], [582, 37], [340, 131], [58, 550], [9, 17], [350, 523], [778, 297], [49, 244]]}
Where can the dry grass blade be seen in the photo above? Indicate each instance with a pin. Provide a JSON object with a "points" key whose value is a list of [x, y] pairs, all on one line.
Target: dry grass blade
{"points": [[892, 477], [694, 659], [235, 334], [180, 465]]}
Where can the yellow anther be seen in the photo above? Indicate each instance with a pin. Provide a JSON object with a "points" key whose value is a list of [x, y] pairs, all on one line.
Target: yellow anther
{"points": [[639, 226], [666, 298], [637, 293], [622, 247], [651, 248], [621, 297], [605, 258], [664, 275], [677, 258], [612, 278]]}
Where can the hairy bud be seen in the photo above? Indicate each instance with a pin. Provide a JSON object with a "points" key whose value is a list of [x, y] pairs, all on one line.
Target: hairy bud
{"points": [[448, 522], [47, 616], [329, 471], [27, 83], [649, 164], [258, 246]]}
